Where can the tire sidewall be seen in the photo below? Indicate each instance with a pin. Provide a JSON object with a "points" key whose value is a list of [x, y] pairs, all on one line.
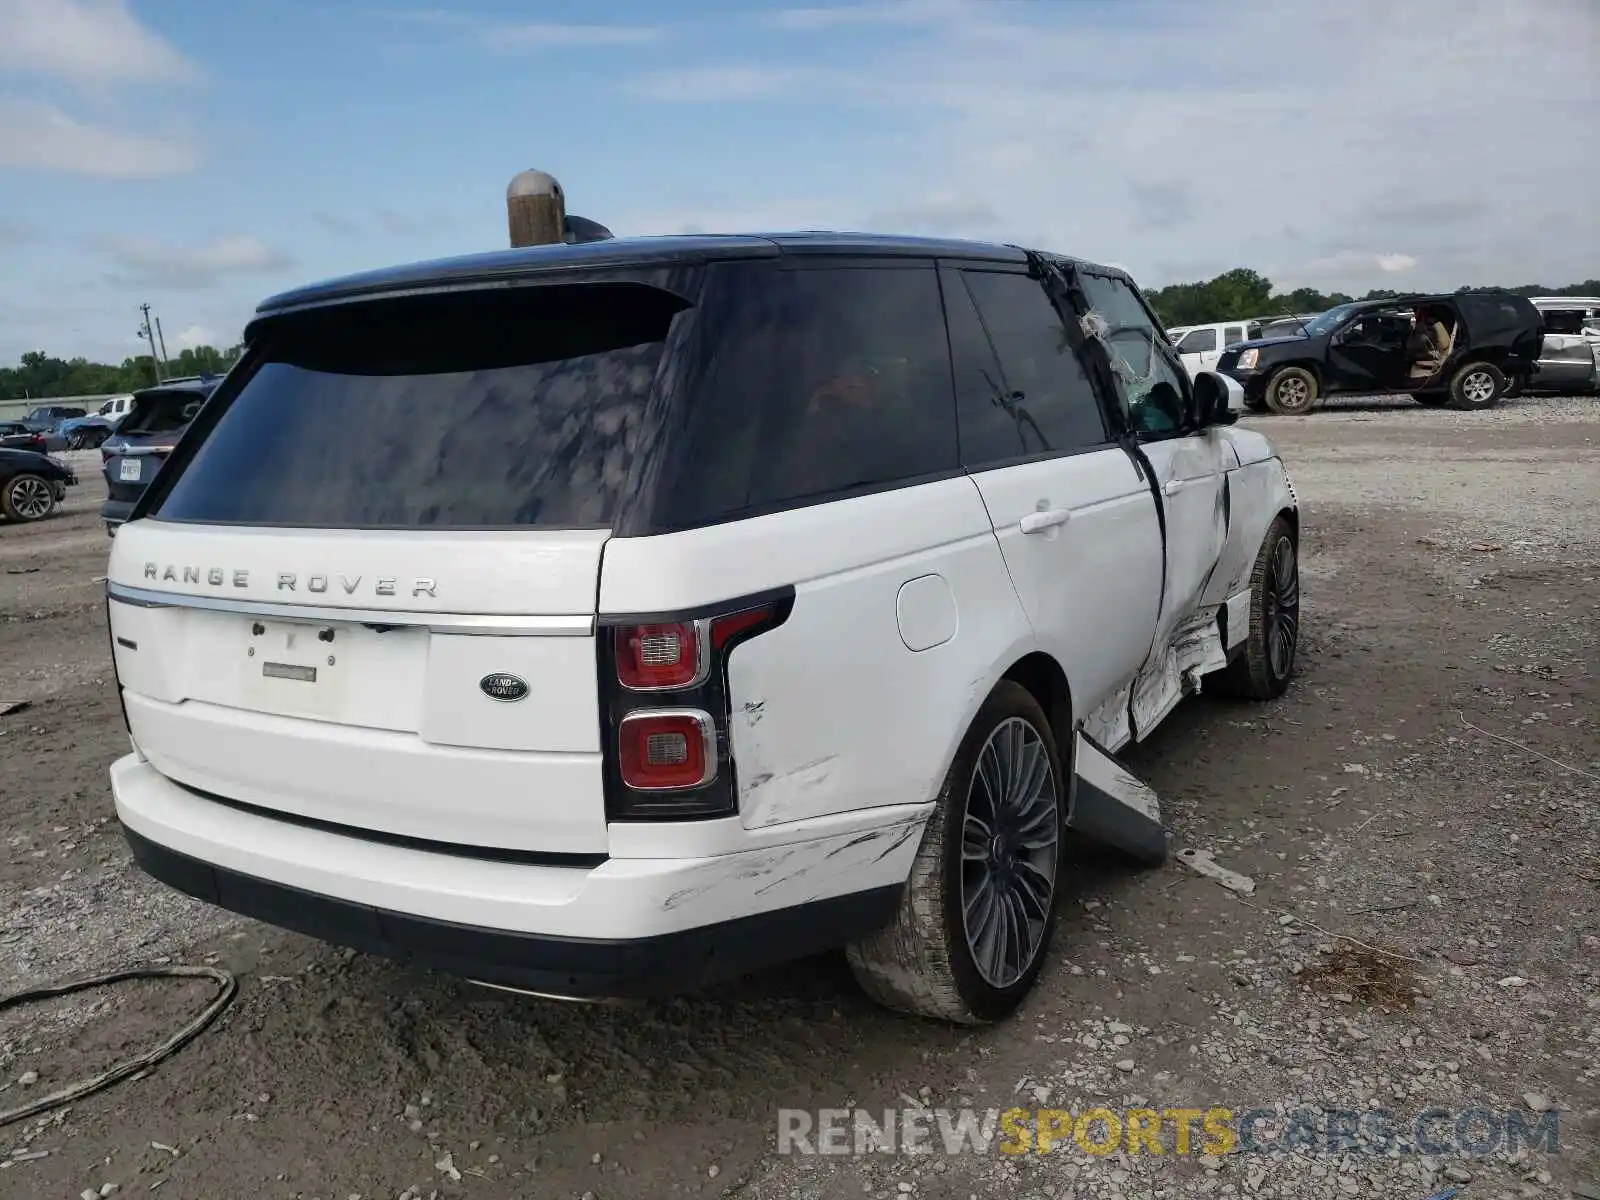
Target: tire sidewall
{"points": [[985, 1001], [1277, 381]]}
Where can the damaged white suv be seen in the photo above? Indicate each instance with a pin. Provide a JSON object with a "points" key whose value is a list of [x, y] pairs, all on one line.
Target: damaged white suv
{"points": [[600, 620]]}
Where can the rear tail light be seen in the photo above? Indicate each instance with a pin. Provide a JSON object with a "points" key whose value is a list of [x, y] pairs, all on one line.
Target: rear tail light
{"points": [[667, 749], [666, 709], [654, 658]]}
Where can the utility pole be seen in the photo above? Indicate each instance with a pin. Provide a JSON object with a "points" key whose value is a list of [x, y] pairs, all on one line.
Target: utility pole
{"points": [[150, 340], [161, 337], [536, 209]]}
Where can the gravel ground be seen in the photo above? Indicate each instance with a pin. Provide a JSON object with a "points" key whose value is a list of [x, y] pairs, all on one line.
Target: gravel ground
{"points": [[1428, 788]]}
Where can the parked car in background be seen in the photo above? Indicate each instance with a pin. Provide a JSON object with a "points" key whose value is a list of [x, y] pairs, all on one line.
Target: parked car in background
{"points": [[686, 605], [1490, 342], [85, 433], [47, 416], [1201, 346], [14, 435], [132, 455], [32, 484], [1569, 356]]}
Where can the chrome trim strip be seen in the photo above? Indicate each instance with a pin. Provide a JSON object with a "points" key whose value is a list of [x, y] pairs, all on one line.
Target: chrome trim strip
{"points": [[481, 624]]}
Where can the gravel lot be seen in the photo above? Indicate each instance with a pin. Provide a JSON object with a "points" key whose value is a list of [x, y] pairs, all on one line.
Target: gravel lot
{"points": [[1430, 786]]}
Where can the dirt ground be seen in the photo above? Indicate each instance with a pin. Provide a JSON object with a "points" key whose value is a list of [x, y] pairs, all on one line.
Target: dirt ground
{"points": [[1430, 786]]}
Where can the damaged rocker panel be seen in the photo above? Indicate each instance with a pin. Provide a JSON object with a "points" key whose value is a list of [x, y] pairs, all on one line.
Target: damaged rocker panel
{"points": [[1114, 808]]}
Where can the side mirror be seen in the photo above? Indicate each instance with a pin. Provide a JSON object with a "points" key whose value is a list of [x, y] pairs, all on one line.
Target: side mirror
{"points": [[1218, 400]]}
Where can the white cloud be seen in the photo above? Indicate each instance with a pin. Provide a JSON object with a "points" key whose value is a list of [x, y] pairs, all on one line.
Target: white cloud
{"points": [[194, 335], [87, 41], [516, 36], [39, 136], [536, 35], [145, 263], [1190, 138], [892, 12], [718, 84]]}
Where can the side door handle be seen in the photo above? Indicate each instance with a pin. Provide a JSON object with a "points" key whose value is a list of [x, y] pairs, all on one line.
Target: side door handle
{"points": [[1172, 487], [1038, 522]]}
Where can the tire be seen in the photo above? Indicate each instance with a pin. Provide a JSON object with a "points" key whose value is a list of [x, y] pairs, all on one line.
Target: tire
{"points": [[1292, 392], [77, 440], [1476, 386], [1432, 399], [1265, 665], [27, 497], [923, 962], [1514, 387]]}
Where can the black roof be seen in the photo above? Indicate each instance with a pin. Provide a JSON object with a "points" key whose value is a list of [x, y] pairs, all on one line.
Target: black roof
{"points": [[502, 266], [1413, 298], [188, 386]]}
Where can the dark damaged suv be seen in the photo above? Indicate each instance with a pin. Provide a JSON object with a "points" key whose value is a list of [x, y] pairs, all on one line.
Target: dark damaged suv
{"points": [[132, 455], [1464, 351]]}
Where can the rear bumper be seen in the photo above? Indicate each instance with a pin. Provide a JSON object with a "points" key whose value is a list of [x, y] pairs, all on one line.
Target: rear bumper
{"points": [[627, 927]]}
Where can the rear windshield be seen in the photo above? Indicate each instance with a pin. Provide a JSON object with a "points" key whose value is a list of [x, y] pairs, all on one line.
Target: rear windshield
{"points": [[480, 410], [161, 412]]}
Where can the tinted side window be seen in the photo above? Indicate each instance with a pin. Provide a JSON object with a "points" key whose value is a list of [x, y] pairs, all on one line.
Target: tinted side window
{"points": [[1045, 402], [1236, 333], [1199, 342], [1150, 385], [817, 381]]}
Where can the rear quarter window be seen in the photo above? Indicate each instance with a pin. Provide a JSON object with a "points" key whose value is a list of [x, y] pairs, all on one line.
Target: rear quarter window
{"points": [[819, 381], [468, 410]]}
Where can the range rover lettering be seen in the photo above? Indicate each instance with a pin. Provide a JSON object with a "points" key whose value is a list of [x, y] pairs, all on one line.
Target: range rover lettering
{"points": [[690, 605]]}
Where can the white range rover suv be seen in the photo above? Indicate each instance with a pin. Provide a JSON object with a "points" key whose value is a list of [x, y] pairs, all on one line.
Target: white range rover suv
{"points": [[600, 620]]}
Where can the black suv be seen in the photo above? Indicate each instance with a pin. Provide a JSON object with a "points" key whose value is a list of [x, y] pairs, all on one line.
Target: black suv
{"points": [[1464, 350], [132, 455]]}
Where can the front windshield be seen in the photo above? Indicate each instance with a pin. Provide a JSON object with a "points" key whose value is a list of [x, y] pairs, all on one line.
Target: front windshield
{"points": [[1326, 322]]}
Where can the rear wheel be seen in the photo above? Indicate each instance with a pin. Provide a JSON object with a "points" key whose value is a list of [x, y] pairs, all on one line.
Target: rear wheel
{"points": [[1476, 386], [27, 498], [77, 440], [979, 908], [1266, 663], [1292, 392]]}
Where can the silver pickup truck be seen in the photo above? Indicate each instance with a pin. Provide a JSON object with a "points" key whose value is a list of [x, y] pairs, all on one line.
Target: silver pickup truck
{"points": [[1569, 359]]}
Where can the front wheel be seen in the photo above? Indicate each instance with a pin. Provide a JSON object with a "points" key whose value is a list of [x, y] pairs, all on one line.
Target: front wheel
{"points": [[77, 440], [1267, 660], [27, 498], [1292, 392], [977, 914], [1476, 386]]}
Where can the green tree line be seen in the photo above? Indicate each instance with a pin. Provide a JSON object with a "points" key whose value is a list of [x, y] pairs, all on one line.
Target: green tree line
{"points": [[41, 374], [1242, 293]]}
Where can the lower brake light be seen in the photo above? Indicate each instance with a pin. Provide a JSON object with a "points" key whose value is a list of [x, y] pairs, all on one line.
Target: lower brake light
{"points": [[664, 749]]}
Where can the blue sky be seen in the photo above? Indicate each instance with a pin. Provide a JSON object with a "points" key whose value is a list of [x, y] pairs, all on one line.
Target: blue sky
{"points": [[200, 155]]}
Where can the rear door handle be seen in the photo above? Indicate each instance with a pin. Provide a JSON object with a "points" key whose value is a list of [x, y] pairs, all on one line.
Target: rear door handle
{"points": [[1172, 487], [1038, 522]]}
